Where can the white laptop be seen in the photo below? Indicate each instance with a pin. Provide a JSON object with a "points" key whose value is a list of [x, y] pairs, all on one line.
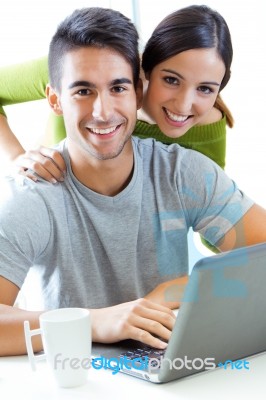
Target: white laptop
{"points": [[222, 319]]}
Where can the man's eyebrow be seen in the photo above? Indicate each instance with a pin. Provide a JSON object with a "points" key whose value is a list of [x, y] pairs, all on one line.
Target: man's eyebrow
{"points": [[171, 71], [81, 83], [89, 85], [121, 81]]}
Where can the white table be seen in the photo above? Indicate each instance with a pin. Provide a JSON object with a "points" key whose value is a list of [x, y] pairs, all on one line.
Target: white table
{"points": [[17, 381]]}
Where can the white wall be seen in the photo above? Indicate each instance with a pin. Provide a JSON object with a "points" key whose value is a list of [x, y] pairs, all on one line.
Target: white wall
{"points": [[26, 27]]}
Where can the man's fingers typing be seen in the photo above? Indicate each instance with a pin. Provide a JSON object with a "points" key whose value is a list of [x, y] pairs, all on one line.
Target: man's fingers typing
{"points": [[148, 339]]}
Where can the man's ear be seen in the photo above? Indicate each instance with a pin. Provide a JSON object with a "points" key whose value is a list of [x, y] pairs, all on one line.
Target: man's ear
{"points": [[139, 93], [53, 100]]}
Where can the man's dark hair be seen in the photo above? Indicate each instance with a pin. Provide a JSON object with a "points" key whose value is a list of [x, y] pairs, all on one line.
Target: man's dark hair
{"points": [[93, 27]]}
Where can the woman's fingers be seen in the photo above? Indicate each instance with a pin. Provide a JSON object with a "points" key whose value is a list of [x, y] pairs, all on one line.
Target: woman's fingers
{"points": [[46, 163]]}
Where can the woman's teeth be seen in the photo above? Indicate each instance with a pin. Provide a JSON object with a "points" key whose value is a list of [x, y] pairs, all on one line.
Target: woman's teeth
{"points": [[175, 117]]}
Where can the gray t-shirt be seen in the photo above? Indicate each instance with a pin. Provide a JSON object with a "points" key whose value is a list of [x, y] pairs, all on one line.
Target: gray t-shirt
{"points": [[90, 250]]}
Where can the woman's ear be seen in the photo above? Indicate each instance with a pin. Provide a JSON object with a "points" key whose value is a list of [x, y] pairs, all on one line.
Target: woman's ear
{"points": [[139, 93], [53, 100]]}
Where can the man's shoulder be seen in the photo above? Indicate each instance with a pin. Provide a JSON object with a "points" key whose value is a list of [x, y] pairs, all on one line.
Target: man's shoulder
{"points": [[171, 152], [15, 185], [151, 145], [18, 194], [20, 184]]}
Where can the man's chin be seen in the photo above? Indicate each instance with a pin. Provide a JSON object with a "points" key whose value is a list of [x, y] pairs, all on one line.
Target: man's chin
{"points": [[110, 155]]}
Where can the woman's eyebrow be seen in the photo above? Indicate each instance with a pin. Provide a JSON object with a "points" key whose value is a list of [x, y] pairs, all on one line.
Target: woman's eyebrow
{"points": [[171, 71]]}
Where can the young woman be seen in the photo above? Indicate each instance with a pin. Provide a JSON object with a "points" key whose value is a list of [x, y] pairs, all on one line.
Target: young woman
{"points": [[186, 63]]}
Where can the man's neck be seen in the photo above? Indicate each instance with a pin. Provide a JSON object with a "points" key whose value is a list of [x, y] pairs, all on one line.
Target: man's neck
{"points": [[106, 177]]}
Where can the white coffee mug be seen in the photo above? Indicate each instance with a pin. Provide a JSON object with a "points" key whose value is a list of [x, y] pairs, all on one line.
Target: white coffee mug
{"points": [[66, 337]]}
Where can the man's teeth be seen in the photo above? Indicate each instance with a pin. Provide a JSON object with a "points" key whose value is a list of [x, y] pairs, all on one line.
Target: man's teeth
{"points": [[103, 131], [175, 117]]}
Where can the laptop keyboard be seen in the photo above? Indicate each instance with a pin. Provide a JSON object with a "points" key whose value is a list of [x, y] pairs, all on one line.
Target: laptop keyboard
{"points": [[146, 353], [143, 354]]}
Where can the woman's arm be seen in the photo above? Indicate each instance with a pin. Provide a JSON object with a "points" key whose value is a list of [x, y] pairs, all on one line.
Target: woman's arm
{"points": [[10, 147], [47, 163], [33, 78], [23, 82]]}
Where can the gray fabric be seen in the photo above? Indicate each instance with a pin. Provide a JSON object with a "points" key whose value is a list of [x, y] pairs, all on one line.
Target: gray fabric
{"points": [[91, 250]]}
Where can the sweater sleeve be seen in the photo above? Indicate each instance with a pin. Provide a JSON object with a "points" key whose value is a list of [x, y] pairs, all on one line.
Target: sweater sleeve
{"points": [[27, 82], [23, 82]]}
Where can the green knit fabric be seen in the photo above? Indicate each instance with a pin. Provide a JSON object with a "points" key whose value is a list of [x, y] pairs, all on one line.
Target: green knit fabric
{"points": [[23, 82], [207, 139]]}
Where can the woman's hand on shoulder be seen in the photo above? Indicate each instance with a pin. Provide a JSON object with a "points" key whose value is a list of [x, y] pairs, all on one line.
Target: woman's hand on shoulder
{"points": [[47, 163]]}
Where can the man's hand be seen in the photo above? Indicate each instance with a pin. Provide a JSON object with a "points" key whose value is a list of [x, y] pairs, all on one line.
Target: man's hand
{"points": [[169, 294], [47, 163], [141, 320]]}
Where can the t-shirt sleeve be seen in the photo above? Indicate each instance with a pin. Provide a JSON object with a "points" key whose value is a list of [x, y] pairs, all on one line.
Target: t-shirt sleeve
{"points": [[24, 229], [212, 202]]}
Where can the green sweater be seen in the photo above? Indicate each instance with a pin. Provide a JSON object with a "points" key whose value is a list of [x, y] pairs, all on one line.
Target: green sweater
{"points": [[27, 82]]}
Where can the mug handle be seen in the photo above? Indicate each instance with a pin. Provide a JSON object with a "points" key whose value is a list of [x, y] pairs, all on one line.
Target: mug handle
{"points": [[28, 334]]}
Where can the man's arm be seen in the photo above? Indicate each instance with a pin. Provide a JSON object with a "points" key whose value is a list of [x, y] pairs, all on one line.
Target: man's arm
{"points": [[250, 230], [170, 293], [141, 320], [12, 319]]}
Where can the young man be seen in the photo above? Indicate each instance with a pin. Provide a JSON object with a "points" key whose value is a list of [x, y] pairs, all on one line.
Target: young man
{"points": [[116, 228]]}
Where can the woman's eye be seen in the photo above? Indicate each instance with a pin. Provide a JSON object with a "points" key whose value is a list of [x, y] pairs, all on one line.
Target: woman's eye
{"points": [[205, 89], [171, 80]]}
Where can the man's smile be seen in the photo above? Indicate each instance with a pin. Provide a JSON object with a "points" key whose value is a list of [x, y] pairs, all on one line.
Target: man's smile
{"points": [[103, 131]]}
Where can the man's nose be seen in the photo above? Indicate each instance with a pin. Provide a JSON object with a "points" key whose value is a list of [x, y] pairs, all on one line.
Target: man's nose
{"points": [[101, 108]]}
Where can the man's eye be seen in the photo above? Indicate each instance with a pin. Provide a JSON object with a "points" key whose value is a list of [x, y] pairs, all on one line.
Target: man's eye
{"points": [[171, 80], [83, 92], [118, 89]]}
